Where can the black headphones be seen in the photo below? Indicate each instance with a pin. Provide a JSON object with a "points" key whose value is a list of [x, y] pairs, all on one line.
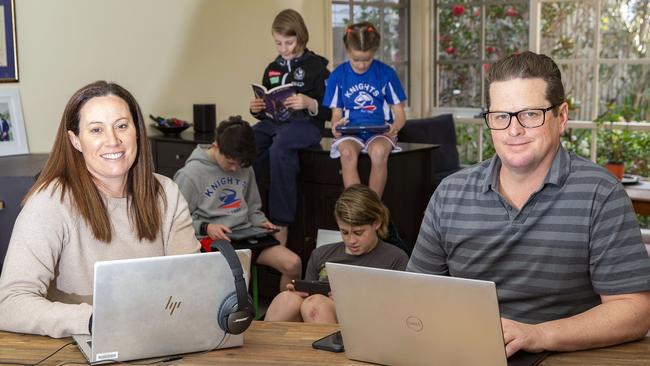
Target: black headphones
{"points": [[236, 311]]}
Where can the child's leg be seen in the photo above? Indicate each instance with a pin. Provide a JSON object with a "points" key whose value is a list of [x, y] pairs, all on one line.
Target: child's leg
{"points": [[284, 167], [282, 235], [284, 260], [318, 309], [265, 131], [349, 157], [378, 150], [285, 307]]}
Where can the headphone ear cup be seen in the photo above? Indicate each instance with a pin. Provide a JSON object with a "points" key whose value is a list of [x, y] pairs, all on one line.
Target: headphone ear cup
{"points": [[231, 319]]}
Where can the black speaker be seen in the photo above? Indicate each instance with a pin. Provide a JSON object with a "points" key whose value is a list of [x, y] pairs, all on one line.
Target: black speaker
{"points": [[205, 118]]}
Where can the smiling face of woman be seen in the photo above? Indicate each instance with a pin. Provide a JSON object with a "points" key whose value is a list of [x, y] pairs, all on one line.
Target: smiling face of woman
{"points": [[108, 141]]}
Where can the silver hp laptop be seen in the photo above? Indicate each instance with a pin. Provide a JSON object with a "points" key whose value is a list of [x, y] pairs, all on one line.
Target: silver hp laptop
{"points": [[158, 306], [401, 318]]}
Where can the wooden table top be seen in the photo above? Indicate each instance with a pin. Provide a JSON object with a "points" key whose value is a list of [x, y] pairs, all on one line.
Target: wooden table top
{"points": [[267, 343]]}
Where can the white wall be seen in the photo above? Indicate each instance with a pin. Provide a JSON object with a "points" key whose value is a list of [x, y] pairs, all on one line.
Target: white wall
{"points": [[169, 53]]}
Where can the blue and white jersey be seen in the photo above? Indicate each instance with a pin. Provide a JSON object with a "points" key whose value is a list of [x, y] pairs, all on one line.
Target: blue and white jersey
{"points": [[365, 98]]}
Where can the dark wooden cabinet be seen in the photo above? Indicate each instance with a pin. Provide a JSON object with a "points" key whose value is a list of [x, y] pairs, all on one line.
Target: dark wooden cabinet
{"points": [[17, 175], [170, 151]]}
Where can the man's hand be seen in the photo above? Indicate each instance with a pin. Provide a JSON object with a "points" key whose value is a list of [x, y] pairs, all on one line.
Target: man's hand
{"points": [[518, 336], [218, 231]]}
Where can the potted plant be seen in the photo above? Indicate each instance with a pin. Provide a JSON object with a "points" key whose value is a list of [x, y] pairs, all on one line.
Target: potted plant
{"points": [[612, 150]]}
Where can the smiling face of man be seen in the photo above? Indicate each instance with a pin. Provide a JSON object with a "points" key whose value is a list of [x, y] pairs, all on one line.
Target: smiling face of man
{"points": [[526, 150]]}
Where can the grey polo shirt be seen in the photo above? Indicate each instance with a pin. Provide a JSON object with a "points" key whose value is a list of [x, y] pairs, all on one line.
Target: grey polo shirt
{"points": [[574, 239]]}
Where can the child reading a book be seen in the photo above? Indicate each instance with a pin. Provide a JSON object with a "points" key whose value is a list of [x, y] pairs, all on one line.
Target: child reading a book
{"points": [[362, 219], [222, 194], [363, 91], [278, 141]]}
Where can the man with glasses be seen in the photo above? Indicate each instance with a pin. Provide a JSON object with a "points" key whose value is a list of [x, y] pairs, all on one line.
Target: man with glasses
{"points": [[554, 231]]}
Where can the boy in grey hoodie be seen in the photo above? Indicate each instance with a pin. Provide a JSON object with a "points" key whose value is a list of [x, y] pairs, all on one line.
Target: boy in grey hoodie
{"points": [[219, 186]]}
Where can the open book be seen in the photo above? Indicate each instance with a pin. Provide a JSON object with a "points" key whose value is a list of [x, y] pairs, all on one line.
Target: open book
{"points": [[274, 99]]}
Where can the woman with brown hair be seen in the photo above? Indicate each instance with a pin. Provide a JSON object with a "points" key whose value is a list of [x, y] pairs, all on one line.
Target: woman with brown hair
{"points": [[96, 199]]}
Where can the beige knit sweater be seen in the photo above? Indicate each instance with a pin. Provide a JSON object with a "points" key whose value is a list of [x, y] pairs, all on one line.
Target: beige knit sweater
{"points": [[46, 285]]}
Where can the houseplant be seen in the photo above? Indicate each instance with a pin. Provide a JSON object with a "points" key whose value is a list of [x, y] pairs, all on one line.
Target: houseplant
{"points": [[613, 149]]}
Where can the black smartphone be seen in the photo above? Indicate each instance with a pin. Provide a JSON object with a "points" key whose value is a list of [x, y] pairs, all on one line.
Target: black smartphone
{"points": [[332, 342], [312, 287]]}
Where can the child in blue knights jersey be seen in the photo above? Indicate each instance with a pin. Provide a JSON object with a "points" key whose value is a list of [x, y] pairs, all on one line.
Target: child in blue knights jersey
{"points": [[219, 186], [364, 91]]}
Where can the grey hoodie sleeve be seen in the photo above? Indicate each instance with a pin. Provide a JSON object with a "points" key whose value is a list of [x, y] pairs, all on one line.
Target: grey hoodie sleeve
{"points": [[255, 215], [190, 193]]}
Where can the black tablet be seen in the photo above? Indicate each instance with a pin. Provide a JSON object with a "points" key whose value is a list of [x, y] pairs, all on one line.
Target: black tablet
{"points": [[250, 232], [357, 129], [312, 287]]}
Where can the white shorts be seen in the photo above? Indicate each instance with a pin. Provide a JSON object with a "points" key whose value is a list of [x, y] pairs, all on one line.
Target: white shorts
{"points": [[335, 153]]}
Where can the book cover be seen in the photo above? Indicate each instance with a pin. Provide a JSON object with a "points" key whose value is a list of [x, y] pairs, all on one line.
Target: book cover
{"points": [[274, 99]]}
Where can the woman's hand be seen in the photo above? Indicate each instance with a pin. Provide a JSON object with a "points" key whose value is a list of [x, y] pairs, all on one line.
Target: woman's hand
{"points": [[301, 101], [257, 105], [342, 121], [218, 231]]}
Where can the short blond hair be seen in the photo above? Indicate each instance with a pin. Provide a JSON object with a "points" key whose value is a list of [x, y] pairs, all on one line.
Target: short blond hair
{"points": [[289, 23], [358, 205]]}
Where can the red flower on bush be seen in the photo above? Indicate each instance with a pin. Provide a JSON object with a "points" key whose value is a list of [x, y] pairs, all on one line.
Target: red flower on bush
{"points": [[457, 10], [490, 49], [511, 12], [450, 50], [477, 13]]}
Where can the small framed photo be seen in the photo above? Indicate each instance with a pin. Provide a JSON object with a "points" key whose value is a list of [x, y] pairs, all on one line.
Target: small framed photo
{"points": [[13, 140], [8, 54]]}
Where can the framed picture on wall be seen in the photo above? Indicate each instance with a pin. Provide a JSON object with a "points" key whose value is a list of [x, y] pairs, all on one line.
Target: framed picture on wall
{"points": [[13, 140], [8, 54]]}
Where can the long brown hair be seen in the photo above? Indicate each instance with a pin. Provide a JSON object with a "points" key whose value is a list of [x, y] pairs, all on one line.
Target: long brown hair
{"points": [[66, 168], [359, 205]]}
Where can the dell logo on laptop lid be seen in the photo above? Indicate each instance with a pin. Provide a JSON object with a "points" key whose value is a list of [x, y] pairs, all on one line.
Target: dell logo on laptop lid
{"points": [[414, 323]]}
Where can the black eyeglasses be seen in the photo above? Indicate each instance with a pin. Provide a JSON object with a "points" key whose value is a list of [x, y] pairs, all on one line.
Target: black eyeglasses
{"points": [[527, 118]]}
